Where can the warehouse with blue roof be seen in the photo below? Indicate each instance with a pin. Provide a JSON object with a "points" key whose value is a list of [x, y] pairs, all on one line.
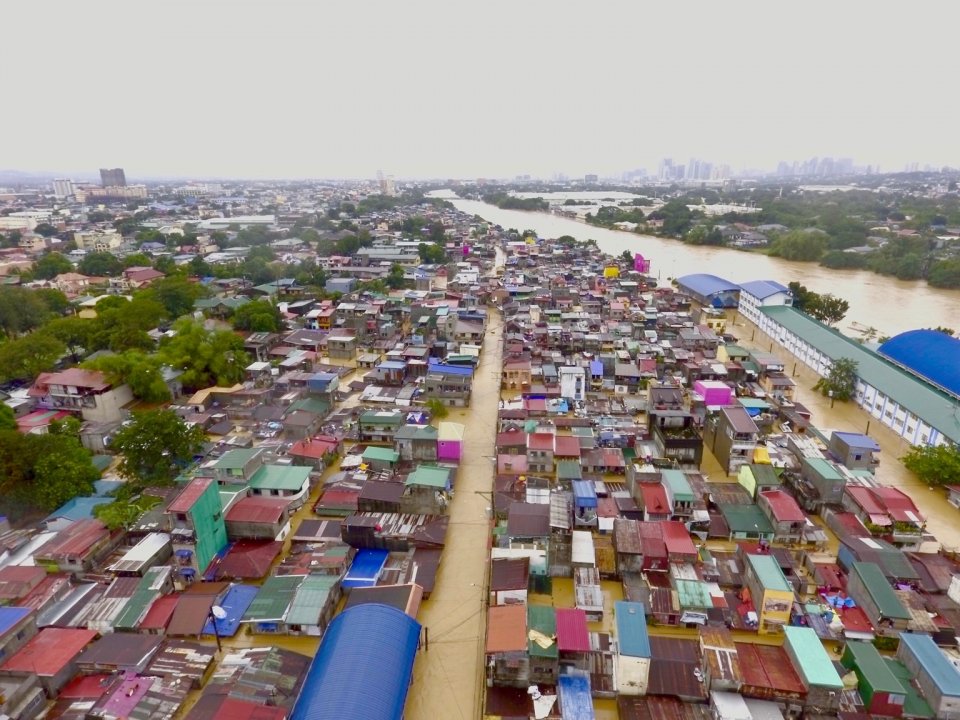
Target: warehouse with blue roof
{"points": [[709, 290], [931, 354], [362, 668], [920, 412], [936, 676]]}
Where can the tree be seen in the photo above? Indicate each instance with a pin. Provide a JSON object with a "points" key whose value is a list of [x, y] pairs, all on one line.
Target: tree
{"points": [[432, 254], [156, 446], [137, 260], [804, 245], [827, 308], [436, 408], [143, 373], [74, 332], [176, 294], [8, 420], [26, 357], [395, 278], [627, 257], [257, 316], [41, 472], [945, 330], [840, 382], [934, 465], [207, 357], [122, 324], [45, 229], [122, 513], [54, 300], [100, 264], [51, 265], [20, 310]]}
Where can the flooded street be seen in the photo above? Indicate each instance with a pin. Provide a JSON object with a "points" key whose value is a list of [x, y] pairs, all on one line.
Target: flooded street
{"points": [[943, 520], [447, 676]]}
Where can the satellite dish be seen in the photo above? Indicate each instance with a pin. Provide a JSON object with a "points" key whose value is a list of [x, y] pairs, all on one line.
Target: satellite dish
{"points": [[218, 612]]}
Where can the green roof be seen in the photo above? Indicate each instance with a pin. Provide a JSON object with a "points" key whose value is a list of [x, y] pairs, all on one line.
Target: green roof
{"points": [[676, 480], [542, 618], [824, 468], [416, 432], [875, 583], [754, 403], [768, 572], [379, 417], [933, 407], [380, 454], [273, 599], [310, 599], [569, 470], [736, 351], [914, 706], [280, 477], [746, 519], [693, 594], [429, 476], [868, 663], [765, 474], [236, 459], [312, 405], [815, 666], [138, 605]]}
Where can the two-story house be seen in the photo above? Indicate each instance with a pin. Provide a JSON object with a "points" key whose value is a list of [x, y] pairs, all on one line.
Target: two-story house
{"points": [[83, 392], [733, 437], [785, 515], [451, 384]]}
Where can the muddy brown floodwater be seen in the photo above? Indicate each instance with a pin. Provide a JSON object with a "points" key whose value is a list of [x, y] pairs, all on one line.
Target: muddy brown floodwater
{"points": [[447, 675]]}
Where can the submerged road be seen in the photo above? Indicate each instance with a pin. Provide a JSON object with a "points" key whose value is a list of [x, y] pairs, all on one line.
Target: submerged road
{"points": [[448, 673]]}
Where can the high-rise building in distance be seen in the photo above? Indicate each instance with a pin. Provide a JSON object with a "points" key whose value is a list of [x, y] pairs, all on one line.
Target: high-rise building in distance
{"points": [[63, 188], [113, 177]]}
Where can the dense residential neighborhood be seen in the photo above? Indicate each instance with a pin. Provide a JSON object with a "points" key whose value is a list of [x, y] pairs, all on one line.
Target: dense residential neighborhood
{"points": [[260, 438]]}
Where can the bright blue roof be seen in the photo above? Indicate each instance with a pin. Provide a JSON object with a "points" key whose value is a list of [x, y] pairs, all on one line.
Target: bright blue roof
{"points": [[362, 668], [763, 288], [857, 440], [930, 354], [934, 662], [584, 493], [703, 284], [79, 508], [575, 698], [465, 370], [10, 616], [366, 568], [632, 633], [235, 602]]}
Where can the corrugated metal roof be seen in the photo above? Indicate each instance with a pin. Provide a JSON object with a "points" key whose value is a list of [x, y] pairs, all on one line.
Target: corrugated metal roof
{"points": [[572, 632], [273, 599], [933, 661], [814, 664], [869, 662], [931, 406], [506, 629], [49, 651], [310, 599], [632, 633], [879, 589], [543, 620], [338, 685], [768, 572], [189, 495]]}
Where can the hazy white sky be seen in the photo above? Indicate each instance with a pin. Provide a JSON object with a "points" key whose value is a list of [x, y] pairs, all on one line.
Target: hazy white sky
{"points": [[313, 88]]}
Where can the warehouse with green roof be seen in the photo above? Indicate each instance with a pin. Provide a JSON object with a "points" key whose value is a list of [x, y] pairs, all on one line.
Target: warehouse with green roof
{"points": [[913, 408]]}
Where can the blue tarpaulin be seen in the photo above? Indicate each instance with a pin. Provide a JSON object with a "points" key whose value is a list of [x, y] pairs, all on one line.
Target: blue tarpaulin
{"points": [[584, 494], [576, 703]]}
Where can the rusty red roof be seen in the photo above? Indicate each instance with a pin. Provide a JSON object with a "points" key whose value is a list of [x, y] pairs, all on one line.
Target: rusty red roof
{"points": [[159, 614], [50, 651], [75, 540], [540, 441], [784, 507], [677, 538], [258, 509], [189, 495], [654, 498], [314, 448], [567, 446], [572, 633], [767, 666]]}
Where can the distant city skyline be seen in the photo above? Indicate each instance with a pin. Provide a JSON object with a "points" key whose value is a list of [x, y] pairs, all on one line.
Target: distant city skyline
{"points": [[257, 89]]}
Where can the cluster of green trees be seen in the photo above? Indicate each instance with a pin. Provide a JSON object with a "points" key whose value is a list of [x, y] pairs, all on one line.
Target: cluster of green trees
{"points": [[611, 215], [824, 307], [38, 473], [937, 466], [509, 202]]}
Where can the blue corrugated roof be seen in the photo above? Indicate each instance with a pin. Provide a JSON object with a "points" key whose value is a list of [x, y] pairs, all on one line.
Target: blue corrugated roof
{"points": [[366, 568], [930, 354], [79, 508], [632, 633], [704, 284], [934, 662], [575, 698], [584, 493], [235, 603], [466, 370], [362, 668], [763, 289], [857, 440], [10, 616]]}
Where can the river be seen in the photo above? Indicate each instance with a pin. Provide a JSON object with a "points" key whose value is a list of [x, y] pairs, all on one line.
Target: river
{"points": [[887, 304]]}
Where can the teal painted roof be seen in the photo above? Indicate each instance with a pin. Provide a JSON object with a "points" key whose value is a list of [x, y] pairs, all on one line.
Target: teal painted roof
{"points": [[815, 665], [236, 459], [280, 477], [569, 470], [768, 572], [883, 595], [273, 599], [632, 635], [693, 594], [745, 519], [310, 599], [934, 662], [869, 663], [824, 468], [380, 454], [429, 476], [933, 407], [676, 480], [542, 618]]}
